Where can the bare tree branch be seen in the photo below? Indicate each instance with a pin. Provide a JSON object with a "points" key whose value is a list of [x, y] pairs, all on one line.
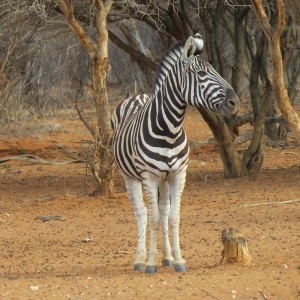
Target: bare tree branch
{"points": [[278, 83], [140, 57], [67, 9], [85, 122]]}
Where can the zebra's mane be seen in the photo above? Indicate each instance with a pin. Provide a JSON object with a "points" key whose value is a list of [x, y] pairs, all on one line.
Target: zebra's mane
{"points": [[168, 60]]}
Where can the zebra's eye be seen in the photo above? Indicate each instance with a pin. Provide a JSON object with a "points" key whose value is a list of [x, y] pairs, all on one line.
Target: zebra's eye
{"points": [[202, 73]]}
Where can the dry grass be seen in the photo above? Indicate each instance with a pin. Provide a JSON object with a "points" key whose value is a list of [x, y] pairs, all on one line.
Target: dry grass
{"points": [[31, 127]]}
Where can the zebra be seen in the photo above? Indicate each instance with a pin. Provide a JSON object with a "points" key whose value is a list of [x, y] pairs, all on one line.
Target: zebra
{"points": [[151, 149]]}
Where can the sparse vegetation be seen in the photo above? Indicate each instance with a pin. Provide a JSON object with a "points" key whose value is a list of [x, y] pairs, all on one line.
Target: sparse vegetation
{"points": [[56, 241], [43, 67]]}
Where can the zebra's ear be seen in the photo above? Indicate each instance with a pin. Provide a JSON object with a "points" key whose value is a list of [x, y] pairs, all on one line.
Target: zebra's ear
{"points": [[189, 49], [193, 46], [199, 43]]}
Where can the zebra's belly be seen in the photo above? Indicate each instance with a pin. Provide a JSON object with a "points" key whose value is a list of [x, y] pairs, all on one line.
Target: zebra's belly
{"points": [[159, 169], [141, 169], [126, 163]]}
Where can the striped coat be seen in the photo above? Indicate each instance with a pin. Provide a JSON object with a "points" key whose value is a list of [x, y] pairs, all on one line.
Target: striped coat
{"points": [[150, 145]]}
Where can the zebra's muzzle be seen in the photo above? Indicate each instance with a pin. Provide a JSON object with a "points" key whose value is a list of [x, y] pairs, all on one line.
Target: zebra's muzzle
{"points": [[231, 104]]}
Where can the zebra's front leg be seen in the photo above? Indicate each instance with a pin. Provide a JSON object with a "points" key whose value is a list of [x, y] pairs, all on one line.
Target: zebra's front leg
{"points": [[164, 210], [176, 189], [134, 189], [151, 190]]}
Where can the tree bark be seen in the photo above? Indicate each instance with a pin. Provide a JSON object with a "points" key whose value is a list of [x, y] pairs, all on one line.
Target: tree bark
{"points": [[235, 248], [278, 84], [233, 165], [220, 8], [240, 50], [101, 160], [254, 155]]}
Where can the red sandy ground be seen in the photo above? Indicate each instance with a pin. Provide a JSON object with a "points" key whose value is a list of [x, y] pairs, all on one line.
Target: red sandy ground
{"points": [[89, 254]]}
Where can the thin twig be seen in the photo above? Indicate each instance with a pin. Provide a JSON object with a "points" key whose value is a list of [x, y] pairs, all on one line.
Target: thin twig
{"points": [[84, 121], [77, 286], [264, 296], [293, 153], [270, 203], [208, 294]]}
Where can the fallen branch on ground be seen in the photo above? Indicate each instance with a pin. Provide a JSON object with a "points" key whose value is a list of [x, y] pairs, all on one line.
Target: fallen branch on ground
{"points": [[270, 203], [46, 218], [38, 160], [264, 296], [293, 153]]}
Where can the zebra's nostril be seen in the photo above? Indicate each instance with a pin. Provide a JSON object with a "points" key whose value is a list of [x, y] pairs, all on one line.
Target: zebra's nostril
{"points": [[231, 103]]}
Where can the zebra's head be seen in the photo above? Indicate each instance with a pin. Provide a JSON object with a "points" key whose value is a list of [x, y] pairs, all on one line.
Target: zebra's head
{"points": [[202, 85]]}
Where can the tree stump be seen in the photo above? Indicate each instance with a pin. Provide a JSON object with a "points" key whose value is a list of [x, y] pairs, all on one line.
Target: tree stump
{"points": [[235, 248]]}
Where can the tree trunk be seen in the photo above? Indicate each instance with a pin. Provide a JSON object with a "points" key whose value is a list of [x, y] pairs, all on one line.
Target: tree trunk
{"points": [[235, 248], [100, 160], [99, 70], [273, 36], [233, 165], [209, 37], [240, 50], [104, 171], [254, 155], [220, 8], [281, 93]]}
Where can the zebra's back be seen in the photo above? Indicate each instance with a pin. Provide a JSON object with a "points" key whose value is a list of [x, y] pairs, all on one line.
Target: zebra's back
{"points": [[127, 109]]}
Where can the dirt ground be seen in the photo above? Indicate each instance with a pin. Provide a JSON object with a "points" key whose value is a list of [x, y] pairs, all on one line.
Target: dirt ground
{"points": [[87, 251]]}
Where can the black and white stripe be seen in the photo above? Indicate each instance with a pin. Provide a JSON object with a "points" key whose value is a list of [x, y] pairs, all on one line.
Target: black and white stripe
{"points": [[150, 146]]}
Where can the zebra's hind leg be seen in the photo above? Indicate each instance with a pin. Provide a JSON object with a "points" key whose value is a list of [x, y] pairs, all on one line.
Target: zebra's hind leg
{"points": [[176, 188], [164, 210], [151, 190], [134, 190]]}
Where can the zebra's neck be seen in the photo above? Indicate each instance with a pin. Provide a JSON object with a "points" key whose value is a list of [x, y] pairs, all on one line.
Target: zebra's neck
{"points": [[168, 64], [167, 103]]}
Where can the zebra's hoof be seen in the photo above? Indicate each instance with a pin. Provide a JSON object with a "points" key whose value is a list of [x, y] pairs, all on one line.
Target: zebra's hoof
{"points": [[139, 267], [180, 268], [167, 262], [151, 269]]}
